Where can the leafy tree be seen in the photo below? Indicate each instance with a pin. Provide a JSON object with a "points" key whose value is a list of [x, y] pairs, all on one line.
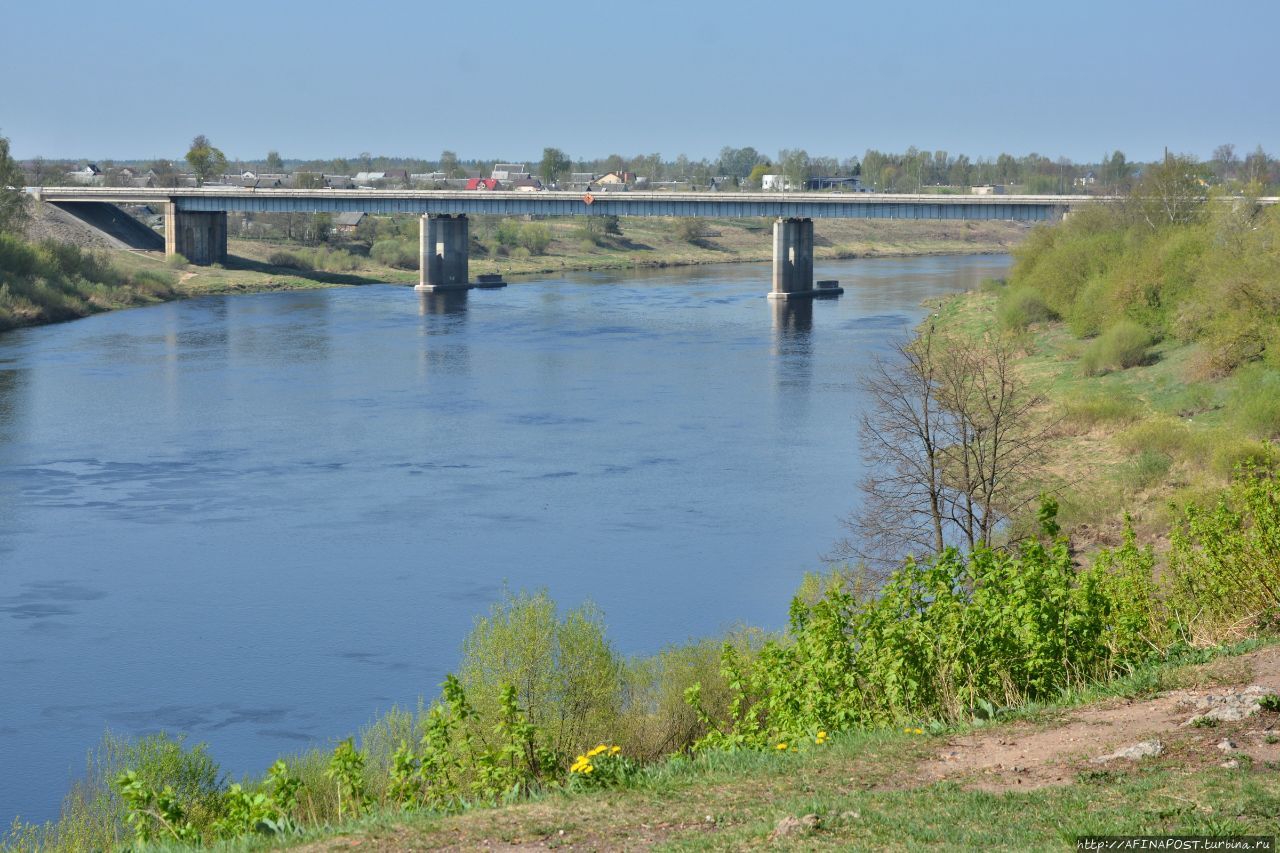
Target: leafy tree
{"points": [[1169, 193], [1257, 167], [795, 166], [757, 175], [449, 164], [275, 165], [1225, 161], [13, 204], [554, 164], [739, 162], [1116, 171], [205, 160]]}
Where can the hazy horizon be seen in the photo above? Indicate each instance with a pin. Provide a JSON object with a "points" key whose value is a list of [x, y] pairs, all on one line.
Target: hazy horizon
{"points": [[410, 81]]}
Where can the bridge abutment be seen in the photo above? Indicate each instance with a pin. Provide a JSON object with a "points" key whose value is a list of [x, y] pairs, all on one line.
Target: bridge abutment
{"points": [[444, 245], [201, 238]]}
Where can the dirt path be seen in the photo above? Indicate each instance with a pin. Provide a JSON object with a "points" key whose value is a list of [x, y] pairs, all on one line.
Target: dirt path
{"points": [[1025, 756]]}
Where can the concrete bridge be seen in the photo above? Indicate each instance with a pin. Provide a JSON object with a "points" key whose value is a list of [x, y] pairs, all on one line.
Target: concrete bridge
{"points": [[196, 219]]}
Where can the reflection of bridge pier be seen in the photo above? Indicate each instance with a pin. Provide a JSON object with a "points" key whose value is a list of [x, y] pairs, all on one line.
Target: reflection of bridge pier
{"points": [[444, 245], [442, 302]]}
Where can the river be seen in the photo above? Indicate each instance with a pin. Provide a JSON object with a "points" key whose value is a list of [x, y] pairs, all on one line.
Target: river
{"points": [[263, 519]]}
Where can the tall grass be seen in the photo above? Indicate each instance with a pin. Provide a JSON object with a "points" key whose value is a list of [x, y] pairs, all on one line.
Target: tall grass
{"points": [[50, 281]]}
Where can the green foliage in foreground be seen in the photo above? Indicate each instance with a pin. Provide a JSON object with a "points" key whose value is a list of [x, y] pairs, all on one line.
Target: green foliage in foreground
{"points": [[50, 281], [954, 639]]}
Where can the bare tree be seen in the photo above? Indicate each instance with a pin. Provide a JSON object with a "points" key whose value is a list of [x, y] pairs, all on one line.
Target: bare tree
{"points": [[955, 445]]}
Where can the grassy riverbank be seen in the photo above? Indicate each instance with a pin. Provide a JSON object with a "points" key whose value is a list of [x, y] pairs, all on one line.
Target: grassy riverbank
{"points": [[1157, 352]]}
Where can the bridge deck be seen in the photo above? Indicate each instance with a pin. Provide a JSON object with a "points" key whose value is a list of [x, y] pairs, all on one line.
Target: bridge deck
{"points": [[709, 205]]}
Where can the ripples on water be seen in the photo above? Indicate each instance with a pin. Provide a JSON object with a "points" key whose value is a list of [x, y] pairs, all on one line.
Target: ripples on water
{"points": [[262, 519]]}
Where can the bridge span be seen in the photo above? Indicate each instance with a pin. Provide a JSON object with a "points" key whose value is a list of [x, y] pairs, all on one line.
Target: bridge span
{"points": [[196, 219]]}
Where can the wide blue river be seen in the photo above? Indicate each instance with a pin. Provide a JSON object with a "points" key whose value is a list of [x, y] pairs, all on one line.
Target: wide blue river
{"points": [[261, 520]]}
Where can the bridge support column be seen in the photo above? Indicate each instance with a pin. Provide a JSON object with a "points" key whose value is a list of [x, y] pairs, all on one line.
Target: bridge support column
{"points": [[444, 244], [201, 238], [792, 258]]}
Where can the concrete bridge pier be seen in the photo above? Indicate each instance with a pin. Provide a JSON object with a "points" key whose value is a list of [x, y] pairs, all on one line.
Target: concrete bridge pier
{"points": [[443, 249], [201, 238], [792, 258]]}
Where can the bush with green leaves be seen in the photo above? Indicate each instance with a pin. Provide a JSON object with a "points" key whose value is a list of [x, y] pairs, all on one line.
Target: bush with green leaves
{"points": [[535, 237], [1018, 309], [566, 672], [941, 639], [398, 253], [1124, 345], [1224, 563]]}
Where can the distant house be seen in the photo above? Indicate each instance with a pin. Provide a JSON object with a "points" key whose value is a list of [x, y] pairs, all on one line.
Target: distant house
{"points": [[1088, 179], [616, 178], [428, 177], [339, 182], [509, 172], [834, 183], [347, 223], [526, 185], [263, 181], [988, 189], [775, 183], [484, 184], [364, 178], [581, 180], [86, 174]]}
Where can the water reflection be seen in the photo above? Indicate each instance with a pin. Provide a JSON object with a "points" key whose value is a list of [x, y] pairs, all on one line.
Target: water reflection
{"points": [[296, 331], [449, 302], [443, 344], [793, 347]]}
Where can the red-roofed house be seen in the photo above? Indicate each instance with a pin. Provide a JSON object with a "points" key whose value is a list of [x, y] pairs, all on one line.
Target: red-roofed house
{"points": [[484, 184]]}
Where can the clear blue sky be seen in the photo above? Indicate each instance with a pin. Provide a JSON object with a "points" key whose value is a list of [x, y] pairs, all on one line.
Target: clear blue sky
{"points": [[494, 80]]}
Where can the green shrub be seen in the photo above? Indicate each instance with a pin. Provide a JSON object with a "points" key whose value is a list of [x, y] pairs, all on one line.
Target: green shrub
{"points": [[1018, 309], [1224, 563], [508, 233], [690, 229], [1163, 435], [1232, 453], [568, 677], [1255, 402], [535, 237], [1089, 412], [176, 261], [290, 260], [395, 253], [1148, 469], [1124, 345]]}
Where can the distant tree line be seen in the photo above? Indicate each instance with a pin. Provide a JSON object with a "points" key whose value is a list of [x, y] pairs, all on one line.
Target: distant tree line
{"points": [[913, 170]]}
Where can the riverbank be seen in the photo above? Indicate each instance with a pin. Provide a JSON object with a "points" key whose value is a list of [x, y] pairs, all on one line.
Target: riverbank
{"points": [[255, 265]]}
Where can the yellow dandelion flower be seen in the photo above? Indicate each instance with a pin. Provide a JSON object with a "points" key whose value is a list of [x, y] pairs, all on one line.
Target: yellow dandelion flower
{"points": [[919, 731], [588, 769], [614, 750], [782, 745], [594, 752]]}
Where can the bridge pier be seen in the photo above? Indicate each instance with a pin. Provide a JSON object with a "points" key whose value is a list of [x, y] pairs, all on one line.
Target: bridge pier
{"points": [[792, 258], [201, 238], [444, 244], [793, 262]]}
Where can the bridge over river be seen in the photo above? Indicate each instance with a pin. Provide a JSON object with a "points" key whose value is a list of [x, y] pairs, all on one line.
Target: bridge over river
{"points": [[196, 219]]}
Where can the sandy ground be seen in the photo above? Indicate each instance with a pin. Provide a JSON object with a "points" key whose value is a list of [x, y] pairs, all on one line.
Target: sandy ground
{"points": [[1027, 756]]}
